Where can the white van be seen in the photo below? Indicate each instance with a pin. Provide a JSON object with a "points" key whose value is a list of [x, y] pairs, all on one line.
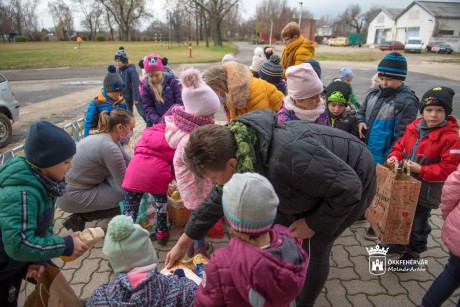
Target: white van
{"points": [[413, 44]]}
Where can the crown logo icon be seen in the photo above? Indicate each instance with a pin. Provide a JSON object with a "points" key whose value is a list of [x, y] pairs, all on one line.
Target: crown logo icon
{"points": [[377, 250]]}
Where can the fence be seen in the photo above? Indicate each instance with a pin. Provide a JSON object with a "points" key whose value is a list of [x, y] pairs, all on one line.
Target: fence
{"points": [[74, 129]]}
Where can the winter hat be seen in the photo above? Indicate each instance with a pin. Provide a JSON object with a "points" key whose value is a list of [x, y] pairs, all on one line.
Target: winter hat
{"points": [[271, 70], [258, 59], [345, 73], [228, 58], [121, 55], [303, 82], [48, 145], [438, 96], [112, 81], [338, 91], [128, 245], [315, 65], [268, 51], [249, 203], [393, 66], [198, 98], [153, 62]]}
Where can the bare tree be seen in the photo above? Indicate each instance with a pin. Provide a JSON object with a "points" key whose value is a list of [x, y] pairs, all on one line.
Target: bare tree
{"points": [[108, 22], [62, 16], [126, 13], [6, 21], [93, 13]]}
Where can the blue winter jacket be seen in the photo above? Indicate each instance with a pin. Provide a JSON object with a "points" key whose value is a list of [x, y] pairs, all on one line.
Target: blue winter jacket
{"points": [[130, 81], [386, 113]]}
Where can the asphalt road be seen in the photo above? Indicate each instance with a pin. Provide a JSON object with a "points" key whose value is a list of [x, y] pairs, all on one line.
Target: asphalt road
{"points": [[69, 90]]}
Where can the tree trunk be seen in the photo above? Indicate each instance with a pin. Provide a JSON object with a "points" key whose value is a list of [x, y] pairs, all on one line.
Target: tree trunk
{"points": [[196, 25]]}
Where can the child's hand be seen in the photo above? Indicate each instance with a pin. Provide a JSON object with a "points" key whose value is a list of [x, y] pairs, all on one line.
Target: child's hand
{"points": [[79, 247], [361, 127], [391, 161], [300, 229], [414, 167], [171, 188], [35, 271]]}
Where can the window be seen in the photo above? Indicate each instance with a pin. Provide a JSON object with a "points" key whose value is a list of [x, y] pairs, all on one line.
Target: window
{"points": [[446, 32]]}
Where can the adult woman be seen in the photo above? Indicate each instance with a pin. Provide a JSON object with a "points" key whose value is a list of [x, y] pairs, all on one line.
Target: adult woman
{"points": [[240, 91], [297, 48], [93, 188], [160, 89]]}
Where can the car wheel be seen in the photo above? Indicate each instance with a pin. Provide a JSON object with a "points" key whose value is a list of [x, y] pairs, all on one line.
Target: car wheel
{"points": [[6, 130]]}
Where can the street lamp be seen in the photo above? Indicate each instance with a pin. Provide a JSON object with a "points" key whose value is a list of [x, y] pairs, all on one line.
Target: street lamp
{"points": [[300, 13]]}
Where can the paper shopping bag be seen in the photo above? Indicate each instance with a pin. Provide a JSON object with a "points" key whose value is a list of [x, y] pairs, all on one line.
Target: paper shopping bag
{"points": [[52, 290], [392, 210]]}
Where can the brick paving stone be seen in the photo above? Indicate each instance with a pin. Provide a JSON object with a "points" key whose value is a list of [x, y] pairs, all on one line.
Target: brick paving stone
{"points": [[347, 241], [371, 287], [361, 265], [340, 257], [336, 293], [383, 300], [96, 280], [359, 300], [322, 301], [82, 276], [415, 291], [343, 273], [391, 283]]}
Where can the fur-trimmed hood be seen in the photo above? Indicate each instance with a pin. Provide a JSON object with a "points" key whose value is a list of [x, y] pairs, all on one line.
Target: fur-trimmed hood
{"points": [[239, 79]]}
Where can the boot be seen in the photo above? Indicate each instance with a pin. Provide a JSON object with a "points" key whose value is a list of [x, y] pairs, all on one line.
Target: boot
{"points": [[75, 222]]}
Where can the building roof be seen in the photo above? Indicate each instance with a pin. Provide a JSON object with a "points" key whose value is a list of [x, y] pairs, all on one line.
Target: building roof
{"points": [[393, 13], [449, 10]]}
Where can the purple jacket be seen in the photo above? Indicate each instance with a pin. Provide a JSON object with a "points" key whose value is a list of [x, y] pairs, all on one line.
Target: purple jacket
{"points": [[285, 115], [241, 274], [154, 109], [151, 169]]}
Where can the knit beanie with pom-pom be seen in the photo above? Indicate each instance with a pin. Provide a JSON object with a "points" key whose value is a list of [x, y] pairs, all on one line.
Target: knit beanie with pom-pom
{"points": [[154, 62], [112, 81], [198, 98], [121, 55], [271, 71], [128, 245]]}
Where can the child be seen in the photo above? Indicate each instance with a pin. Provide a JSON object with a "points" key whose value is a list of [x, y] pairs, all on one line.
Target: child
{"points": [[28, 188], [262, 264], [304, 100], [200, 105], [317, 207], [135, 263], [386, 111], [228, 58], [257, 60], [160, 90], [150, 171], [108, 99], [338, 93], [346, 75], [272, 72], [128, 73], [448, 281], [430, 147]]}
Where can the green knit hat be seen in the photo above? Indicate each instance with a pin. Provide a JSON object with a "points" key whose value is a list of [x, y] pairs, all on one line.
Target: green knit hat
{"points": [[128, 245]]}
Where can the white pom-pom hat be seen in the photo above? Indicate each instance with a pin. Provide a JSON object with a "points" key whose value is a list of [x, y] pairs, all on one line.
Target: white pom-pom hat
{"points": [[198, 98]]}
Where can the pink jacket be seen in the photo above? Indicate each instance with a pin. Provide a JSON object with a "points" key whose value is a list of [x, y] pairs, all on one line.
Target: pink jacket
{"points": [[242, 273], [193, 189], [450, 208], [151, 169]]}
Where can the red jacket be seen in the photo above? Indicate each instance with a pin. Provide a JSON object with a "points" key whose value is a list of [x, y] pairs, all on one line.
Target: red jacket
{"points": [[438, 153]]}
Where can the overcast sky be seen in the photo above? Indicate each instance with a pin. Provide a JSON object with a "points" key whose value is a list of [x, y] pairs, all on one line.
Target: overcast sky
{"points": [[317, 7]]}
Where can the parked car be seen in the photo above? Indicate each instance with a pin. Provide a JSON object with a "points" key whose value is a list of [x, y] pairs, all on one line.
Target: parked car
{"points": [[339, 41], [392, 45], [428, 47], [413, 44], [442, 47], [9, 111]]}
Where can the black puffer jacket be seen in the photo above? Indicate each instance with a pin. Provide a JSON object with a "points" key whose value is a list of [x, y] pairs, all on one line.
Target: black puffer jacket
{"points": [[347, 122], [320, 173]]}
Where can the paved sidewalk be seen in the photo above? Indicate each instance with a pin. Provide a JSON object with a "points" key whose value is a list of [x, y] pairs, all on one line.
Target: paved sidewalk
{"points": [[349, 282]]}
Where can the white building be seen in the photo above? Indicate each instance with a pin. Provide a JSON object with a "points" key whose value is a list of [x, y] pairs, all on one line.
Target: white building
{"points": [[425, 19], [324, 31]]}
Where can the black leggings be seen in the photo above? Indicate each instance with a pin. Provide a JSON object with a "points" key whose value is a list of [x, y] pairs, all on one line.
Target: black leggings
{"points": [[9, 289]]}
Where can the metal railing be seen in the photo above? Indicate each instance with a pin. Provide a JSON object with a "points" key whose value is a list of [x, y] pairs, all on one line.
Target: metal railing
{"points": [[74, 129]]}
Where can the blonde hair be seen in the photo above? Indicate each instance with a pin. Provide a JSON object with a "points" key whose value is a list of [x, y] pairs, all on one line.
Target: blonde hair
{"points": [[216, 78], [158, 89], [290, 30], [108, 120]]}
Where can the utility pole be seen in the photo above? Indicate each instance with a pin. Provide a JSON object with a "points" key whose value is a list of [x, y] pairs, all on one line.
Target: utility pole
{"points": [[271, 31], [300, 13]]}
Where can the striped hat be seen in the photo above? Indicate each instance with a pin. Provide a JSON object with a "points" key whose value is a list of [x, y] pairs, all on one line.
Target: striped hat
{"points": [[393, 66], [250, 203], [271, 71]]}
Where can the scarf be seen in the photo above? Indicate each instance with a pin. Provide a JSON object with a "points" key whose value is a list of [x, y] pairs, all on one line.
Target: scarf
{"points": [[287, 58], [424, 130], [188, 122], [307, 115], [246, 139], [54, 188]]}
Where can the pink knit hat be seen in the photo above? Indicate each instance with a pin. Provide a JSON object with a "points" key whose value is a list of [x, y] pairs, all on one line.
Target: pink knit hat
{"points": [[303, 82], [198, 98], [153, 62]]}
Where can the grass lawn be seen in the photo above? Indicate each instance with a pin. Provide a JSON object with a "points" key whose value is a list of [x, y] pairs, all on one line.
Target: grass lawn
{"points": [[63, 54]]}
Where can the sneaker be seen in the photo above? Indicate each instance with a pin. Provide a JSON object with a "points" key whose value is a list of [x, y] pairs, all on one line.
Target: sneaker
{"points": [[162, 238], [393, 248], [74, 222], [370, 234], [405, 264]]}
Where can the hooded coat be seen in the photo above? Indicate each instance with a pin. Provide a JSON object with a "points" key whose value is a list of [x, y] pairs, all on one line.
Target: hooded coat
{"points": [[450, 209], [237, 274], [322, 174], [296, 53]]}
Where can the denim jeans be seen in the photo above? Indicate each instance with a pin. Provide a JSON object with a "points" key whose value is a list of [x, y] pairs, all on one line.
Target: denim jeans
{"points": [[444, 285], [420, 230]]}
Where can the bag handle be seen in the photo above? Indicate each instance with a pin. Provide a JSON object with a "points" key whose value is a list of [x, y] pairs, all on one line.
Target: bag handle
{"points": [[405, 169]]}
